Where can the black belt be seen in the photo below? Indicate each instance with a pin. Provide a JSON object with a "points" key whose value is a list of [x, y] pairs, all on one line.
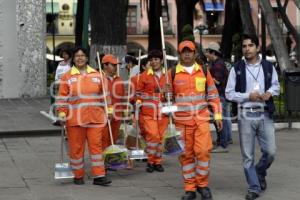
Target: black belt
{"points": [[255, 109]]}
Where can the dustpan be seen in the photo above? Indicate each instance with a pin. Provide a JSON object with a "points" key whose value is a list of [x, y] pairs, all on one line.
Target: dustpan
{"points": [[137, 153], [62, 169], [173, 142], [115, 156]]}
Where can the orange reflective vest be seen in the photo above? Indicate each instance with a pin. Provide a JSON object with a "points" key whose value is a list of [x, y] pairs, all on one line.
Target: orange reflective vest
{"points": [[81, 97], [192, 94], [149, 92], [117, 93]]}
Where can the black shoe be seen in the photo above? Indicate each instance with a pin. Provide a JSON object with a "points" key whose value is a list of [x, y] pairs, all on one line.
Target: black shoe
{"points": [[102, 181], [262, 182], [189, 195], [150, 168], [205, 193], [78, 181], [251, 196], [159, 168]]}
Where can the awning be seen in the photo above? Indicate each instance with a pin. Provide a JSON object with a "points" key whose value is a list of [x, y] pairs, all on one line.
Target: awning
{"points": [[55, 7], [214, 7]]}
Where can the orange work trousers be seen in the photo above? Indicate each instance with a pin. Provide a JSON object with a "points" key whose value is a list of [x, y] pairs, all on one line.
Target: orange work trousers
{"points": [[77, 137], [153, 131], [195, 159], [115, 128]]}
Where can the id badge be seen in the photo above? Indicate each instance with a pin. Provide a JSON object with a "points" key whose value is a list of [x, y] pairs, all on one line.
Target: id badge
{"points": [[256, 86]]}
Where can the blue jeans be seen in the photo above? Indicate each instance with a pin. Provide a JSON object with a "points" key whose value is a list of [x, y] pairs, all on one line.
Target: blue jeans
{"points": [[261, 126], [225, 133]]}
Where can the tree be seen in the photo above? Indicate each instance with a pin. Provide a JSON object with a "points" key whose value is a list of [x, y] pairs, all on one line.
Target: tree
{"points": [[232, 26], [108, 28], [79, 23], [289, 25], [154, 14], [297, 2], [276, 36], [185, 15], [247, 22]]}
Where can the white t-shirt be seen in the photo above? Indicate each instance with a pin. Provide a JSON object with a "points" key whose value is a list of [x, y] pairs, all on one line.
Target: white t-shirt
{"points": [[189, 69], [158, 73], [61, 69]]}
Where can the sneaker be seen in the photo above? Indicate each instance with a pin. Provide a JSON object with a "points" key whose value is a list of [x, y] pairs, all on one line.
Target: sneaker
{"points": [[219, 149], [189, 195], [150, 168], [251, 196], [159, 168], [78, 181], [205, 193], [104, 181]]}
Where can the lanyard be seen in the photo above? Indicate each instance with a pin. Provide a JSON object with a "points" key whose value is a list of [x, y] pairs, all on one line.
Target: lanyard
{"points": [[157, 83], [252, 74]]}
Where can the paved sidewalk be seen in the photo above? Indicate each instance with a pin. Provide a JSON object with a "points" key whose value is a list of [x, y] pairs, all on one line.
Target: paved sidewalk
{"points": [[27, 170], [22, 116]]}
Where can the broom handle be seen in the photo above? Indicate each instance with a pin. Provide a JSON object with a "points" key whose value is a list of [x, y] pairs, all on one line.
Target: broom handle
{"points": [[62, 143], [105, 101], [166, 66], [127, 109], [139, 65]]}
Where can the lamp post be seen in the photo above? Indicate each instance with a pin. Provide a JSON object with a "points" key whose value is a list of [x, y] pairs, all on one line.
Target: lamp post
{"points": [[202, 30]]}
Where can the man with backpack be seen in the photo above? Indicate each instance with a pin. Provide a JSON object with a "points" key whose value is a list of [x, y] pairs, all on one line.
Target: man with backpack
{"points": [[193, 89]]}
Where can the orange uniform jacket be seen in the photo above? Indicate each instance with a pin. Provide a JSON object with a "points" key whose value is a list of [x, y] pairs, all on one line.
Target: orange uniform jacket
{"points": [[191, 97], [149, 92], [117, 94], [81, 97]]}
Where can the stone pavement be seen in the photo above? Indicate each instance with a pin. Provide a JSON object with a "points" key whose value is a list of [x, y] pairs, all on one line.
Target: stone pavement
{"points": [[22, 116], [27, 170]]}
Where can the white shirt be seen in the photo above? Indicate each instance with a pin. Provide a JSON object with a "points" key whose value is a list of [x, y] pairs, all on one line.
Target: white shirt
{"points": [[158, 73], [257, 71], [189, 69], [61, 69]]}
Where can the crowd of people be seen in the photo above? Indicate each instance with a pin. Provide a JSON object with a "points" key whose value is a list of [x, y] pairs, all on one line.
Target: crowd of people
{"points": [[89, 98]]}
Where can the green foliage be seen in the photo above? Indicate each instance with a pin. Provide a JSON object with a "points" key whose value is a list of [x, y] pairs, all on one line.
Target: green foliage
{"points": [[187, 33]]}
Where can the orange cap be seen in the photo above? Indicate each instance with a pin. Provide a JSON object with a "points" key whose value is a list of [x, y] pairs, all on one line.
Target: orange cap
{"points": [[186, 44], [109, 58]]}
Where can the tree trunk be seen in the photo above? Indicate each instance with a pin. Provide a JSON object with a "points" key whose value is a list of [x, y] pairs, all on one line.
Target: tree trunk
{"points": [[155, 11], [108, 28], [297, 3], [232, 25], [79, 23], [291, 28], [276, 36], [246, 17], [185, 15]]}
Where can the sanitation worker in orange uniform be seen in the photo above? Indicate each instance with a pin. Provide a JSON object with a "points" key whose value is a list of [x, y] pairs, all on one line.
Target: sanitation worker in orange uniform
{"points": [[193, 90], [117, 92], [150, 94], [80, 104]]}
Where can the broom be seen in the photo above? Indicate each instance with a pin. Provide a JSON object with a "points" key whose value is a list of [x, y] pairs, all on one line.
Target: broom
{"points": [[172, 144], [115, 155]]}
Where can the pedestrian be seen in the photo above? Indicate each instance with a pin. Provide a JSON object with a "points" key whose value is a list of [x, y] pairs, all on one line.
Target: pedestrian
{"points": [[80, 104], [117, 93], [220, 73], [252, 83], [193, 89], [64, 65], [151, 93], [62, 68]]}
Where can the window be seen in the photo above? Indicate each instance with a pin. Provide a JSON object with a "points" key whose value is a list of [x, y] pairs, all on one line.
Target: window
{"points": [[132, 20]]}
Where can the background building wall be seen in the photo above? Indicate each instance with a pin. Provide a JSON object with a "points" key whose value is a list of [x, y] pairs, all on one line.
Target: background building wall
{"points": [[22, 49]]}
